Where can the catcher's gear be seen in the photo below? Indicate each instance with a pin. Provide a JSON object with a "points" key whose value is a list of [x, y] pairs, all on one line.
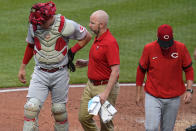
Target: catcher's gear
{"points": [[60, 116], [31, 111], [191, 128], [70, 65], [41, 12], [50, 47]]}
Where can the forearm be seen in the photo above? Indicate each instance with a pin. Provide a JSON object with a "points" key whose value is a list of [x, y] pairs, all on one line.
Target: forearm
{"points": [[139, 90], [189, 84], [22, 66], [113, 79], [81, 43], [189, 73], [86, 40], [86, 62]]}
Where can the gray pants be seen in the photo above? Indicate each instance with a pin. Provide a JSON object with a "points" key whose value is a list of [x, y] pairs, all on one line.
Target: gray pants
{"points": [[57, 83], [160, 111], [44, 82]]}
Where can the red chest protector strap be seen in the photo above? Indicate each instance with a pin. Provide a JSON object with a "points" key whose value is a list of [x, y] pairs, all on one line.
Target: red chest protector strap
{"points": [[61, 23]]}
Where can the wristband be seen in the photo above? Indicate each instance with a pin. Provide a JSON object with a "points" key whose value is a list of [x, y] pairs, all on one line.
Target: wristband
{"points": [[76, 48], [190, 90]]}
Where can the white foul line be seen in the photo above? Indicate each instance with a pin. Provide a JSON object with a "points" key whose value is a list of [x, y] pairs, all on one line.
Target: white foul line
{"points": [[72, 86]]}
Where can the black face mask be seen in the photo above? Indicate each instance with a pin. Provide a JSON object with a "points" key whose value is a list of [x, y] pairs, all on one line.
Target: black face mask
{"points": [[165, 44]]}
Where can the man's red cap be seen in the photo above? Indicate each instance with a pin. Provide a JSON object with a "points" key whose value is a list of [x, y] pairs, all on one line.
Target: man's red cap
{"points": [[165, 36]]}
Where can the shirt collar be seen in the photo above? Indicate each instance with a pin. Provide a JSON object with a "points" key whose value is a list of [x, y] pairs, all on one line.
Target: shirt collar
{"points": [[102, 36]]}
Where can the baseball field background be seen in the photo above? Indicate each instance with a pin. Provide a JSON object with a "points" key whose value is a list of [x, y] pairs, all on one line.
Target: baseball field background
{"points": [[133, 22]]}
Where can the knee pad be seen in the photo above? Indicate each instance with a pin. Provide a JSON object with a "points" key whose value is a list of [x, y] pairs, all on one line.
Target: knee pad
{"points": [[32, 108], [59, 112]]}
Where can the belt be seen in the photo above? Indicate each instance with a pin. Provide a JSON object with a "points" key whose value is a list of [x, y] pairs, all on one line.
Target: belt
{"points": [[53, 69], [99, 82]]}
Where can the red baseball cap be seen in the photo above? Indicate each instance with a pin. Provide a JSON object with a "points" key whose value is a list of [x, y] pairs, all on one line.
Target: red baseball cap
{"points": [[165, 36]]}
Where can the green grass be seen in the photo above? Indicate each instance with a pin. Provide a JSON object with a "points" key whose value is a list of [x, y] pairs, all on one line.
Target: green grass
{"points": [[133, 22]]}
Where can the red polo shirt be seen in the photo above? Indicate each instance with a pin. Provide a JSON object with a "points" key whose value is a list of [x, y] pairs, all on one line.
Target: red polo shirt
{"points": [[165, 70], [103, 54]]}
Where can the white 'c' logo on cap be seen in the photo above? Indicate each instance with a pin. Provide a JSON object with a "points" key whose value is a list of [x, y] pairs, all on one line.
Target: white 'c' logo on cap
{"points": [[166, 37]]}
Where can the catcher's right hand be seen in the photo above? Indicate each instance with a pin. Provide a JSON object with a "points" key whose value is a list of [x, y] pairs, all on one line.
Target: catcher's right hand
{"points": [[70, 65]]}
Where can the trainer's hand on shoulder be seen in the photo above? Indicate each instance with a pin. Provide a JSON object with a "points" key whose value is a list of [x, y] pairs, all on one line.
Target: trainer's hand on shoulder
{"points": [[187, 97], [22, 74], [81, 63]]}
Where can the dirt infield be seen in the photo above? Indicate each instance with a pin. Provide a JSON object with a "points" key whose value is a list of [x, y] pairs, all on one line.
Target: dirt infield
{"points": [[128, 118]]}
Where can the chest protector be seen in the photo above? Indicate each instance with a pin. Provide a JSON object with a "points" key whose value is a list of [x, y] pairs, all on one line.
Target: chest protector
{"points": [[50, 47]]}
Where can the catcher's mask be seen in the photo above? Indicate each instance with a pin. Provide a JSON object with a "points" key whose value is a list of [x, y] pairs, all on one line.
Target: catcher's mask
{"points": [[41, 12], [165, 36]]}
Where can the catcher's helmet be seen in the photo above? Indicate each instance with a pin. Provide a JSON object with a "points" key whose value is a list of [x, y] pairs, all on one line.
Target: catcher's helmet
{"points": [[41, 12]]}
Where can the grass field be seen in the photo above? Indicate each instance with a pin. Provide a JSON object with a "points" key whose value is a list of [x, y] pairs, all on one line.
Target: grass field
{"points": [[133, 22]]}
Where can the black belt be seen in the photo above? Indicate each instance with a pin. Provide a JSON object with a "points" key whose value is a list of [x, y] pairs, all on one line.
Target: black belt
{"points": [[53, 69]]}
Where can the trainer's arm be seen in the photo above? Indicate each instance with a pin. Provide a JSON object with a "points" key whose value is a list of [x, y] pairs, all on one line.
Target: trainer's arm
{"points": [[81, 63], [112, 80]]}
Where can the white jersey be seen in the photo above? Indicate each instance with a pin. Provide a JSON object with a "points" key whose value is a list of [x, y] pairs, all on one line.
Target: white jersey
{"points": [[47, 56]]}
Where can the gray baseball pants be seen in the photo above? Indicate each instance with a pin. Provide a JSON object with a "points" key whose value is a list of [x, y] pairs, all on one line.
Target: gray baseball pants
{"points": [[44, 82], [161, 112]]}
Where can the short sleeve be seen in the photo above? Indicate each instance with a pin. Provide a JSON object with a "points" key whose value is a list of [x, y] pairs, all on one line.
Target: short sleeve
{"points": [[79, 33], [112, 53], [30, 35]]}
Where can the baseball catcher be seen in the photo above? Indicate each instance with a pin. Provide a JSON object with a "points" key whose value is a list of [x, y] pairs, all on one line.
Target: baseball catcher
{"points": [[48, 39]]}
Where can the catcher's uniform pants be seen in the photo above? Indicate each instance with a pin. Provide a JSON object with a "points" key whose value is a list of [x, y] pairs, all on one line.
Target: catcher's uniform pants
{"points": [[160, 111], [57, 83], [44, 82], [85, 118]]}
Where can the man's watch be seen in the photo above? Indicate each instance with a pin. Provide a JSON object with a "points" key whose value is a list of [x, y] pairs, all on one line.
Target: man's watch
{"points": [[190, 90]]}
